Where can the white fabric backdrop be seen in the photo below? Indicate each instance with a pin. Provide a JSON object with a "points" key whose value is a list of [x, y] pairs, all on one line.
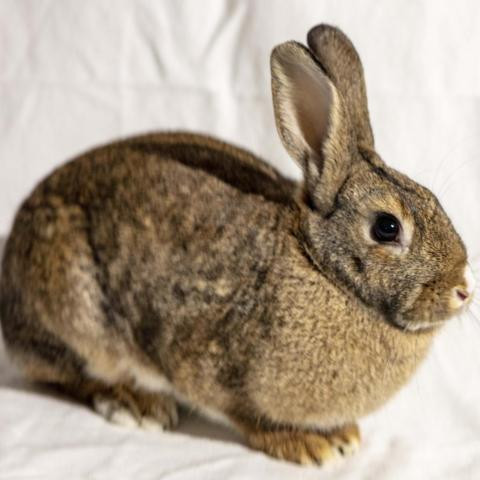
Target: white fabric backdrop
{"points": [[75, 74]]}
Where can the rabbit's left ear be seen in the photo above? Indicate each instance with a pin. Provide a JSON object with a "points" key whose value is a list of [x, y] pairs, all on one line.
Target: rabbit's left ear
{"points": [[313, 124]]}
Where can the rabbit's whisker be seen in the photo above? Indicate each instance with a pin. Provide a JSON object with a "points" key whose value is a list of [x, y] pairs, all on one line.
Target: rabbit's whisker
{"points": [[476, 320], [450, 180], [446, 157]]}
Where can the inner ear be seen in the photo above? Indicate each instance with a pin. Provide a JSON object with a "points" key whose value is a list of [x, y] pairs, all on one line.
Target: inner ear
{"points": [[302, 99], [311, 121], [312, 115]]}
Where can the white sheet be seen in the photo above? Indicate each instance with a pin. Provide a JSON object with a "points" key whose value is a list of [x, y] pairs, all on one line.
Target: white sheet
{"points": [[74, 74]]}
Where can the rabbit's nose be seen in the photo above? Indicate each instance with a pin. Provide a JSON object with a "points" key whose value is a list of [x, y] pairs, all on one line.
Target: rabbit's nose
{"points": [[464, 293], [461, 294]]}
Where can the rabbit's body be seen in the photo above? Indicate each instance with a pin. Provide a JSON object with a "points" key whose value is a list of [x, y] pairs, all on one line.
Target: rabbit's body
{"points": [[174, 267], [105, 274]]}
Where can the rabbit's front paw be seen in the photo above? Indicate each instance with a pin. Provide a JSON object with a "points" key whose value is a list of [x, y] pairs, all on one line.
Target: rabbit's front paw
{"points": [[150, 411], [307, 447]]}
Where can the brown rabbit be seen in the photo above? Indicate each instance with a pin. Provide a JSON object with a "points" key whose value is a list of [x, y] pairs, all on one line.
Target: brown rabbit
{"points": [[176, 268]]}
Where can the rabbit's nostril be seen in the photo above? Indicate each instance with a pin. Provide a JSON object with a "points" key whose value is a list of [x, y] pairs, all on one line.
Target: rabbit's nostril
{"points": [[461, 294]]}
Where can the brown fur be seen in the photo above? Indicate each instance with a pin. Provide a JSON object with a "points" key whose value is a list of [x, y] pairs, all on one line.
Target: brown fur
{"points": [[175, 266]]}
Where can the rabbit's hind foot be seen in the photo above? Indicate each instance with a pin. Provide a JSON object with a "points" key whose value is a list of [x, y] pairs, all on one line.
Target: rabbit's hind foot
{"points": [[306, 447]]}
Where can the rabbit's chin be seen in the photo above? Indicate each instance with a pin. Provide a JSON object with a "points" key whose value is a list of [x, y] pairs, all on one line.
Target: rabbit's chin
{"points": [[418, 325], [412, 323]]}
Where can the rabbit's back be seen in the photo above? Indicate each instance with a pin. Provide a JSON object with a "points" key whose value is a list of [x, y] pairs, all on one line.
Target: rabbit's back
{"points": [[139, 249]]}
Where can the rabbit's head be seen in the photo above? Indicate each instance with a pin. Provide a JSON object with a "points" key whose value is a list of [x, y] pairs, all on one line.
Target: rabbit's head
{"points": [[371, 230]]}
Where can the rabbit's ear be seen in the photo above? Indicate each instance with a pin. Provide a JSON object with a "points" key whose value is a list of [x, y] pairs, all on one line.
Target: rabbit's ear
{"points": [[343, 66], [312, 122]]}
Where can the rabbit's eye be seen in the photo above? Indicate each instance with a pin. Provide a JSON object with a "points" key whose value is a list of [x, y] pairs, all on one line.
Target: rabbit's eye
{"points": [[386, 228]]}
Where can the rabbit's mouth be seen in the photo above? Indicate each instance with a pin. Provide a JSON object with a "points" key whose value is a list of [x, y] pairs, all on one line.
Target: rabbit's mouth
{"points": [[411, 324], [437, 303]]}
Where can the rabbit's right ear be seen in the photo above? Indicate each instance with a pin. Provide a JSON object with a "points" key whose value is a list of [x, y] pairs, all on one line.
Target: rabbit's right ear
{"points": [[312, 122]]}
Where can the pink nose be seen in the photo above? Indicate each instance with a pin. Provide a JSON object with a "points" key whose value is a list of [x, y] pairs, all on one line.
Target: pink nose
{"points": [[462, 294]]}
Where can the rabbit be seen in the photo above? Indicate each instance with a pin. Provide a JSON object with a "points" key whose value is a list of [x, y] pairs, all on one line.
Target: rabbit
{"points": [[175, 269]]}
